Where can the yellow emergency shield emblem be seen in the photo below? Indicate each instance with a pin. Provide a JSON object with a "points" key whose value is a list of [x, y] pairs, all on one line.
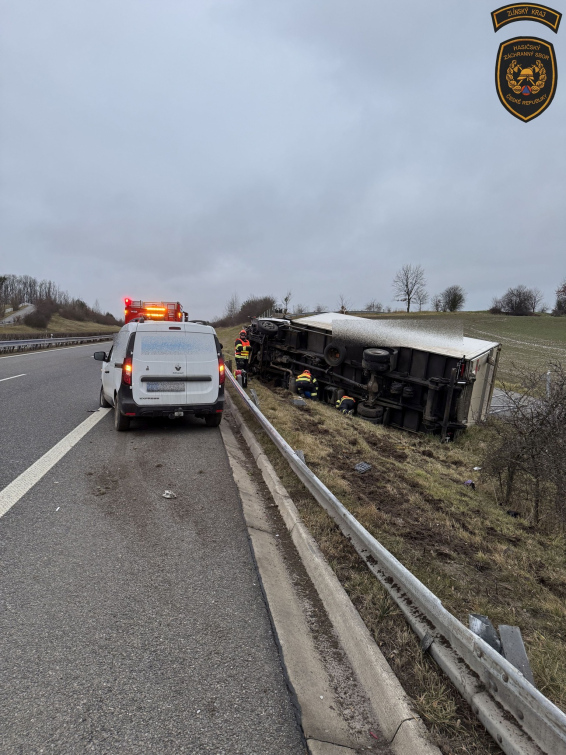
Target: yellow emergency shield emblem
{"points": [[526, 76]]}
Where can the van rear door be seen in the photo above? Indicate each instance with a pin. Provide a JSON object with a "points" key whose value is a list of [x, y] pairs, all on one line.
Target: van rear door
{"points": [[174, 367], [159, 367]]}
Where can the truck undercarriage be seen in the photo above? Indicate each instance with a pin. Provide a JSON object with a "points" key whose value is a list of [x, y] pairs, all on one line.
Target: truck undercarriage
{"points": [[407, 388]]}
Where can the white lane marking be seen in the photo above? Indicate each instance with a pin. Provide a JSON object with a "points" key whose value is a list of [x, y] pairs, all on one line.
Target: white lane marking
{"points": [[20, 486], [12, 378], [52, 351]]}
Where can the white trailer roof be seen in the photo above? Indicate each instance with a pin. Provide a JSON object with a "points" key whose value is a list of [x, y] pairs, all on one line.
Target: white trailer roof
{"points": [[417, 334]]}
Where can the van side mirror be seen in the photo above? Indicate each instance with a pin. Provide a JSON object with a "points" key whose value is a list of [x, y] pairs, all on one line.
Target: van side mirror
{"points": [[221, 345], [101, 356]]}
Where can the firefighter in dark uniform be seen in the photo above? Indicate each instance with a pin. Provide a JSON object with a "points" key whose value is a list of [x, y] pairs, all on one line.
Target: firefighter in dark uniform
{"points": [[346, 405], [242, 351], [307, 385]]}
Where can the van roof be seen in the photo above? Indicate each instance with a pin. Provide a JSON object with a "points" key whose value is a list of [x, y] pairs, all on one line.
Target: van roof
{"points": [[151, 326]]}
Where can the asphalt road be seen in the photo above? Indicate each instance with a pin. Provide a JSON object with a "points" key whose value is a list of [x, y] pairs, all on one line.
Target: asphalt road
{"points": [[129, 623]]}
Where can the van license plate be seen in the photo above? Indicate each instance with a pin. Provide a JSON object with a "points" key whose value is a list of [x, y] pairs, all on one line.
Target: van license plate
{"points": [[165, 387]]}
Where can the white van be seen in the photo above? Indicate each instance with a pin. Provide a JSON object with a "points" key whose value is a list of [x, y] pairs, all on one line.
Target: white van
{"points": [[163, 369]]}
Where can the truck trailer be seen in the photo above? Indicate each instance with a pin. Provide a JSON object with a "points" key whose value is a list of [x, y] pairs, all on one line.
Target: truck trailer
{"points": [[399, 373]]}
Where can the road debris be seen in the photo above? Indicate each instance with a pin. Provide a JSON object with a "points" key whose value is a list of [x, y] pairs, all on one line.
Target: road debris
{"points": [[471, 484], [169, 494], [362, 467]]}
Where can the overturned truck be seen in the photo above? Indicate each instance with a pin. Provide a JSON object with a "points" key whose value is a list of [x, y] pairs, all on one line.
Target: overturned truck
{"points": [[400, 372]]}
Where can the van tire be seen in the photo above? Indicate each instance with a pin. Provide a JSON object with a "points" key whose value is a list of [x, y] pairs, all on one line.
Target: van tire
{"points": [[103, 403], [213, 420], [121, 423]]}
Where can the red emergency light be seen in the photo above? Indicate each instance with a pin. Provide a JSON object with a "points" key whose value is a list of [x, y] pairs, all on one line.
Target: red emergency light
{"points": [[153, 310]]}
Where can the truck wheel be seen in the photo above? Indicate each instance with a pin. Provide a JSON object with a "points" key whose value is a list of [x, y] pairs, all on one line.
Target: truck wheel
{"points": [[370, 412], [267, 327], [103, 401], [120, 422], [374, 357], [331, 395], [334, 354], [213, 420]]}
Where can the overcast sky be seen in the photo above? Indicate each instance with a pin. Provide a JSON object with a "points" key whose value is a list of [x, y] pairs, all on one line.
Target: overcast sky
{"points": [[192, 149]]}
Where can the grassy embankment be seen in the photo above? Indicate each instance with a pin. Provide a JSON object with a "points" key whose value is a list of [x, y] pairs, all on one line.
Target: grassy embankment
{"points": [[58, 324], [458, 542]]}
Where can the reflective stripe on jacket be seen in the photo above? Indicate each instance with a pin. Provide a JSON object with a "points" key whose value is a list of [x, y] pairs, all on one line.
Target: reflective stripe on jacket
{"points": [[304, 378], [242, 350], [344, 398]]}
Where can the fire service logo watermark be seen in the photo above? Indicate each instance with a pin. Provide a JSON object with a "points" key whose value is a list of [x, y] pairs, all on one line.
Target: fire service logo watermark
{"points": [[525, 76], [525, 69]]}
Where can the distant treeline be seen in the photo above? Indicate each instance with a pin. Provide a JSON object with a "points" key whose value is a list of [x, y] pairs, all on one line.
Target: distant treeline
{"points": [[48, 300]]}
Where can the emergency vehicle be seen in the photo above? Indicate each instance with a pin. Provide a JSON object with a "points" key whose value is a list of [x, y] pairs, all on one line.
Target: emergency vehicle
{"points": [[162, 311]]}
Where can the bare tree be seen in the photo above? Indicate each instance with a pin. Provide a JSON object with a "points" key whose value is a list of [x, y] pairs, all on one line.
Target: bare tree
{"points": [[453, 299], [320, 308], [515, 301], [560, 306], [407, 281], [536, 300], [526, 450], [3, 279], [421, 297], [343, 304], [436, 302], [300, 309], [286, 300], [374, 306], [232, 309]]}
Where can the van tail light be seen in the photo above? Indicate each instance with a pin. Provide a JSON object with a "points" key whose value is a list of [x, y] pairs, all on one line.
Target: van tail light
{"points": [[221, 371], [127, 371]]}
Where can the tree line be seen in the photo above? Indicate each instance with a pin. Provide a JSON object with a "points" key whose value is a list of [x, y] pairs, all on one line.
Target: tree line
{"points": [[409, 287], [48, 299]]}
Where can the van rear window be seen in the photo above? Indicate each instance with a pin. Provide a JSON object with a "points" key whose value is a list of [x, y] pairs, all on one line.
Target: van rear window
{"points": [[200, 345]]}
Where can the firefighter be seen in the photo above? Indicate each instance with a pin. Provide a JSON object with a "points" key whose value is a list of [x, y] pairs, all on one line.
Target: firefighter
{"points": [[242, 351], [346, 405], [307, 386], [243, 336]]}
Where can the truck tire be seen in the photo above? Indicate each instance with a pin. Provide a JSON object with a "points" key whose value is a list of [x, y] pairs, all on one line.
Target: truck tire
{"points": [[267, 328], [370, 412], [374, 357], [331, 395], [334, 354]]}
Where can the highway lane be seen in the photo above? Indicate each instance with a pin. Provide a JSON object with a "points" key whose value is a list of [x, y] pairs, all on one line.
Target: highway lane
{"points": [[129, 623], [57, 390]]}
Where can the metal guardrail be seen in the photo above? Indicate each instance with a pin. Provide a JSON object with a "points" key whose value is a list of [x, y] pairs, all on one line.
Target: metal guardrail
{"points": [[35, 344], [519, 717]]}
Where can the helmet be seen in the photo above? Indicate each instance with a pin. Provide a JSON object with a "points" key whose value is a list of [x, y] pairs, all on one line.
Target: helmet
{"points": [[306, 372], [243, 333]]}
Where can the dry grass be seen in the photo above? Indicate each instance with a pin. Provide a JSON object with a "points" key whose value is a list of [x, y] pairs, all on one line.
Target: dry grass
{"points": [[59, 324], [460, 543]]}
